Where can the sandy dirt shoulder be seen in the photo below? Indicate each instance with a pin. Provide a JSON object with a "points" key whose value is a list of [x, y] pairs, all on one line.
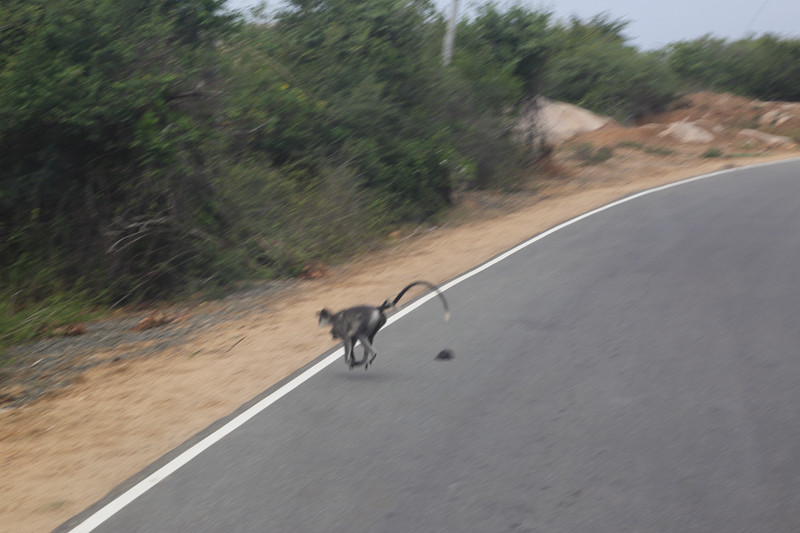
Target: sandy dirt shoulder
{"points": [[67, 450]]}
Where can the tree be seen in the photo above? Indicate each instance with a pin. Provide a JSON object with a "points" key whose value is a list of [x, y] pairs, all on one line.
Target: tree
{"points": [[595, 68], [99, 140], [759, 67], [516, 42], [375, 66]]}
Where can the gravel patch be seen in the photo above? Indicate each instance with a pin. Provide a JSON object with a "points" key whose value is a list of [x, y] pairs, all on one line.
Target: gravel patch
{"points": [[42, 366]]}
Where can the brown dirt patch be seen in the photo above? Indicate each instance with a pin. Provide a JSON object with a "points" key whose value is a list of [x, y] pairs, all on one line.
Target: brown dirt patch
{"points": [[66, 450]]}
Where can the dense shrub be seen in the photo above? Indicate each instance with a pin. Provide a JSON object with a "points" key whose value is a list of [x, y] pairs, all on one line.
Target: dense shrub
{"points": [[103, 113], [594, 67], [165, 145], [763, 67]]}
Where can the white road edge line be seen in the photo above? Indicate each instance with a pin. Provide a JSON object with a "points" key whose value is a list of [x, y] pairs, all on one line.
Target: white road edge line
{"points": [[156, 477]]}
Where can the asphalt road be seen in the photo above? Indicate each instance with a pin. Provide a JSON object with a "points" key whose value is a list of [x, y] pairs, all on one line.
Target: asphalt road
{"points": [[636, 371]]}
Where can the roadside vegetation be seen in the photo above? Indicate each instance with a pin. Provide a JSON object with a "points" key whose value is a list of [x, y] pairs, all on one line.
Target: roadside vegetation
{"points": [[155, 148]]}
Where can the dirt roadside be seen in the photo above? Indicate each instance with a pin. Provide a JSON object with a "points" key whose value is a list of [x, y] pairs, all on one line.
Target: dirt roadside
{"points": [[66, 450]]}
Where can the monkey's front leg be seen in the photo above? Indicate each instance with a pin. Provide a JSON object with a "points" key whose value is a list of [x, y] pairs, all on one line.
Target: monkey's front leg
{"points": [[347, 342]]}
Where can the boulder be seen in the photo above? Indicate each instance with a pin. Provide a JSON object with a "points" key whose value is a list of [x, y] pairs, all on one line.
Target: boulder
{"points": [[765, 138], [558, 121], [687, 132]]}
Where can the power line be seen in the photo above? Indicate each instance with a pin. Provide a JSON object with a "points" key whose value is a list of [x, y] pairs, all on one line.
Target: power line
{"points": [[752, 20]]}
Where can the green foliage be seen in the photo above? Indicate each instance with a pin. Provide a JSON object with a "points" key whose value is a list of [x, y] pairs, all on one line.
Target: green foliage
{"points": [[282, 223], [594, 68], [589, 155], [763, 67], [632, 144], [103, 159], [655, 150], [379, 70], [697, 62], [20, 323], [712, 152], [163, 146], [515, 42], [375, 100], [34, 300]]}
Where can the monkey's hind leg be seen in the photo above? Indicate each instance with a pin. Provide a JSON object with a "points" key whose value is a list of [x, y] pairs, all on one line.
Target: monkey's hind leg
{"points": [[350, 355], [374, 352], [366, 360]]}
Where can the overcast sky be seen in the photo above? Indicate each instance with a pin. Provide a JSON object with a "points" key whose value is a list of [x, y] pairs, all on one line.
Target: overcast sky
{"points": [[655, 24]]}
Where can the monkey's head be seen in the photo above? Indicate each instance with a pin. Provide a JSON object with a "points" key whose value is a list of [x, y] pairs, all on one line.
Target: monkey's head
{"points": [[325, 317]]}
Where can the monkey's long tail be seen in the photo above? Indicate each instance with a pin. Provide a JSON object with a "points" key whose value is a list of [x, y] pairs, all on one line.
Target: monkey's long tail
{"points": [[430, 286]]}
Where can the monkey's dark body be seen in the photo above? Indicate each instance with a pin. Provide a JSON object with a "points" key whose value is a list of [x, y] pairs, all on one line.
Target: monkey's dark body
{"points": [[362, 322]]}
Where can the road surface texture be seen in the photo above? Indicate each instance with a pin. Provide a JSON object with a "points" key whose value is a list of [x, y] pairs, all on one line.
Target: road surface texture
{"points": [[636, 371]]}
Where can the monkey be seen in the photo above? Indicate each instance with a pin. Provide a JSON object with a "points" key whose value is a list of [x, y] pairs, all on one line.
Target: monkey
{"points": [[362, 322]]}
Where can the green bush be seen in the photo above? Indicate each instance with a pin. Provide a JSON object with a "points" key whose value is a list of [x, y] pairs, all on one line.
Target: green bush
{"points": [[103, 130], [765, 67], [588, 155], [595, 69], [166, 146], [500, 46], [712, 152]]}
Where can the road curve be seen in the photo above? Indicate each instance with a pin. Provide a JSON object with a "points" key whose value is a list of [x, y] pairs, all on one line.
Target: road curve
{"points": [[636, 370]]}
